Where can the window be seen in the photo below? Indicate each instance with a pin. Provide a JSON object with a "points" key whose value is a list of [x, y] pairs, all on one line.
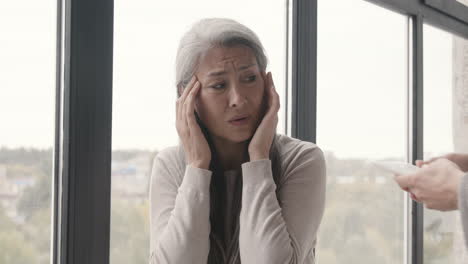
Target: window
{"points": [[445, 130], [146, 38], [361, 116], [454, 8], [27, 101]]}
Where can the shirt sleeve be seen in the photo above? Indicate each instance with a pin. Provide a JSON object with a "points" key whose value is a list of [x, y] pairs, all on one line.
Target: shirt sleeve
{"points": [[180, 225], [270, 233], [463, 205]]}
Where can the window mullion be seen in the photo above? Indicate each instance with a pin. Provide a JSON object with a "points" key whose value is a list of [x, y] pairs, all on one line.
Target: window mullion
{"points": [[416, 138], [83, 192]]}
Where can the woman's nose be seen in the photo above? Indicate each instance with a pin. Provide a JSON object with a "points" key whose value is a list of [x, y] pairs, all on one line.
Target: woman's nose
{"points": [[236, 97]]}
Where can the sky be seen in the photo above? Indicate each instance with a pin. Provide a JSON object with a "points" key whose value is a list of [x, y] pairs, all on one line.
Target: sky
{"points": [[362, 77], [27, 73]]}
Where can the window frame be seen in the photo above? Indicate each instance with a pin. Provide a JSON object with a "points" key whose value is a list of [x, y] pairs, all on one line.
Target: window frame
{"points": [[82, 169], [304, 62], [450, 7], [420, 13]]}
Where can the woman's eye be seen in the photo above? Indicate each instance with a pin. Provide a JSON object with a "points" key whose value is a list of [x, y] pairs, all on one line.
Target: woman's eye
{"points": [[218, 86], [252, 78]]}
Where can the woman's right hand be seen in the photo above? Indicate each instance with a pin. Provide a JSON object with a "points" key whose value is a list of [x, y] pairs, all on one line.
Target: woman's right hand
{"points": [[197, 150]]}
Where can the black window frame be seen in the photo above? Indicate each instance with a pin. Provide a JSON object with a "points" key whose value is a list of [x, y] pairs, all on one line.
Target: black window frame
{"points": [[82, 155], [82, 180], [450, 7], [304, 85]]}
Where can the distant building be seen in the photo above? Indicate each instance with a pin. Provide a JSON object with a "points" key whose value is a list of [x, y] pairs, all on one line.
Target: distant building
{"points": [[130, 178]]}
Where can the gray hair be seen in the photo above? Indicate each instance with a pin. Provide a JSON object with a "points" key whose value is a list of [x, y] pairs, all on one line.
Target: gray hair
{"points": [[209, 33]]}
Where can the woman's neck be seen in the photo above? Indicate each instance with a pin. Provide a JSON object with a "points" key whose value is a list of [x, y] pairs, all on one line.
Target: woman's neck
{"points": [[230, 154]]}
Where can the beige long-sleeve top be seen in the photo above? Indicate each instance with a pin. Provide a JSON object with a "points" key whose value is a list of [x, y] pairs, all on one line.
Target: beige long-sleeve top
{"points": [[273, 229]]}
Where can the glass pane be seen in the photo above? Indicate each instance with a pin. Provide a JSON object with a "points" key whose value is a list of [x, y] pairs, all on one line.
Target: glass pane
{"points": [[27, 105], [445, 130], [146, 38], [361, 117]]}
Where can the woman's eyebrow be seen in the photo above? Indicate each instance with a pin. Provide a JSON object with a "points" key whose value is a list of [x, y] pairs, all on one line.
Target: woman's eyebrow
{"points": [[216, 73], [222, 72], [241, 68]]}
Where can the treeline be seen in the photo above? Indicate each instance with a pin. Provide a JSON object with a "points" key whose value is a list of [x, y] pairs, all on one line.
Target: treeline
{"points": [[25, 155]]}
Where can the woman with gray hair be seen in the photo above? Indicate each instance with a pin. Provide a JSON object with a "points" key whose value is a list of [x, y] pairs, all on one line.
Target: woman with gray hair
{"points": [[233, 191]]}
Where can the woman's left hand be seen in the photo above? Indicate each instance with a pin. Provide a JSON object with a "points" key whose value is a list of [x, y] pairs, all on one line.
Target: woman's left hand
{"points": [[259, 147]]}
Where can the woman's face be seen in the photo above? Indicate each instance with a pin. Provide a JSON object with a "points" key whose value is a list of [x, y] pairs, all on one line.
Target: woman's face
{"points": [[231, 95]]}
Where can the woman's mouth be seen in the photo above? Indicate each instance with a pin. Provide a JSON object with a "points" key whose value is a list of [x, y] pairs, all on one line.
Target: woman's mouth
{"points": [[239, 121]]}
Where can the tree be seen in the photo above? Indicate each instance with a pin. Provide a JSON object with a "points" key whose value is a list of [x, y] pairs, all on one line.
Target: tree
{"points": [[15, 248], [129, 232]]}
